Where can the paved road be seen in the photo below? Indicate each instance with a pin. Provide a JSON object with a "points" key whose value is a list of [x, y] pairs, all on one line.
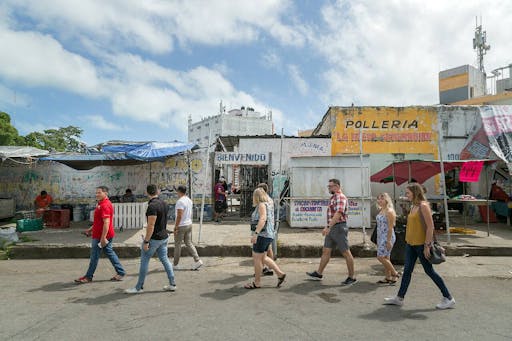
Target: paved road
{"points": [[40, 302]]}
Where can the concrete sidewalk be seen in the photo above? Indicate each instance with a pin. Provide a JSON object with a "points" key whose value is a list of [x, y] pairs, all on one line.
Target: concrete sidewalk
{"points": [[232, 239]]}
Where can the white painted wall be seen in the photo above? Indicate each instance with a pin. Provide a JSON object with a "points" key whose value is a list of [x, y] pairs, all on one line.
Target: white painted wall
{"points": [[292, 147]]}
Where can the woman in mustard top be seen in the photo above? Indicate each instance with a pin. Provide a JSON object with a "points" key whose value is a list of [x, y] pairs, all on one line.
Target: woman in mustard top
{"points": [[418, 246]]}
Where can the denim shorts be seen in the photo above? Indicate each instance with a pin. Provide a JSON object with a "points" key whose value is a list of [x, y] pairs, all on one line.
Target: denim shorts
{"points": [[261, 245], [337, 237]]}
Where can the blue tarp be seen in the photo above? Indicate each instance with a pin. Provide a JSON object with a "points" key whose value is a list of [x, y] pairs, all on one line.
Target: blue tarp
{"points": [[121, 153], [158, 150]]}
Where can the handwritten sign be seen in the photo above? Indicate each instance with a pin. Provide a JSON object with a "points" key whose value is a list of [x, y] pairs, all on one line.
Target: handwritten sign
{"points": [[470, 171], [313, 212]]}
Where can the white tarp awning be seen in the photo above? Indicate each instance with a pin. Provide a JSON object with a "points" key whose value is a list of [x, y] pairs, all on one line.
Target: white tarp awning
{"points": [[9, 152]]}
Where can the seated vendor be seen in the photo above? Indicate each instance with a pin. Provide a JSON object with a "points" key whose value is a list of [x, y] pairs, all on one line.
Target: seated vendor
{"points": [[501, 205], [128, 196], [42, 202]]}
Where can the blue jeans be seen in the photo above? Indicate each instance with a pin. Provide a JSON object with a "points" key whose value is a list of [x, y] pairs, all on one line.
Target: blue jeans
{"points": [[412, 252], [159, 246], [95, 257]]}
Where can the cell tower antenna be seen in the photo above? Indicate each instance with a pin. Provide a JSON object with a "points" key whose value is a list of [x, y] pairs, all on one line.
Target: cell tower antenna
{"points": [[479, 44]]}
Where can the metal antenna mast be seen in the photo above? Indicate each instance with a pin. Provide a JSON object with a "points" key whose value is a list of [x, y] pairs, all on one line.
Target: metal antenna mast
{"points": [[479, 44]]}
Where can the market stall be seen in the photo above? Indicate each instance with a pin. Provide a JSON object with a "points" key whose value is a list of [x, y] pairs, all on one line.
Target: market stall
{"points": [[309, 197], [422, 170]]}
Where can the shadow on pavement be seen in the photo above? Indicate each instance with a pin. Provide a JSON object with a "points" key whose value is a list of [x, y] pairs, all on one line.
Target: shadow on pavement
{"points": [[394, 313], [306, 287], [117, 295], [62, 286], [361, 287], [55, 287], [231, 280], [226, 294], [104, 299]]}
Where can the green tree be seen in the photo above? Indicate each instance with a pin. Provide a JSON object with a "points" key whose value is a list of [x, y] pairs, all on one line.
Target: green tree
{"points": [[65, 139], [8, 134]]}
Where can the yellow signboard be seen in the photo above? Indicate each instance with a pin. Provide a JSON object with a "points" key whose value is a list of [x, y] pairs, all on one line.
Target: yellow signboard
{"points": [[383, 130]]}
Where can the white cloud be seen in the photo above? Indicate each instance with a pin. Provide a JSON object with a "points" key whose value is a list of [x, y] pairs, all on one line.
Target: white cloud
{"points": [[100, 122], [145, 91], [297, 79], [114, 23], [154, 26], [79, 47], [35, 59], [390, 53]]}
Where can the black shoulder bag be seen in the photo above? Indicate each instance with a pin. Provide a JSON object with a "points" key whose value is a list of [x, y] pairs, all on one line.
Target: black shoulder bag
{"points": [[437, 252]]}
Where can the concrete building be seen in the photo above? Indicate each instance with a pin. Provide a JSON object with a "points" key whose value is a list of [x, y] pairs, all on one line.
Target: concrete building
{"points": [[236, 122], [460, 84], [467, 85], [390, 134]]}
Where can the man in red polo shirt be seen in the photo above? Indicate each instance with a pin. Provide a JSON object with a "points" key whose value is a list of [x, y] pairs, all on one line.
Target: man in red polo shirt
{"points": [[42, 202], [102, 231]]}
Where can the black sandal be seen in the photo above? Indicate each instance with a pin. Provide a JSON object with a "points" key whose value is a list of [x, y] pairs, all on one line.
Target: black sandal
{"points": [[280, 280], [386, 281], [251, 286]]}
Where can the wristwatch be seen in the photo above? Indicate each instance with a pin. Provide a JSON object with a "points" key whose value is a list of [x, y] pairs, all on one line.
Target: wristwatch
{"points": [[146, 242], [256, 232]]}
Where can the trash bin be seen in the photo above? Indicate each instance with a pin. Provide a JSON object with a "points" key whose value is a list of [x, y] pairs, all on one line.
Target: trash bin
{"points": [[483, 213], [398, 251], [67, 207], [77, 213]]}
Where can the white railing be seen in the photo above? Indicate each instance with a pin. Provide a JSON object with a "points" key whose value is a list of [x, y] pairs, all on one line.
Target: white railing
{"points": [[128, 215]]}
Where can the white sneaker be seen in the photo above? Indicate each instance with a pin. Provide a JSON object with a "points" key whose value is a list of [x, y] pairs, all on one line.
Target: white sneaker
{"points": [[133, 291], [177, 267], [197, 265], [446, 303], [395, 300], [170, 287]]}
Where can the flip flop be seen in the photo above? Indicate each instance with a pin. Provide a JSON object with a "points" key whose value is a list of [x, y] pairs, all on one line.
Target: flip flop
{"points": [[117, 278], [280, 280], [386, 281], [251, 286], [83, 280]]}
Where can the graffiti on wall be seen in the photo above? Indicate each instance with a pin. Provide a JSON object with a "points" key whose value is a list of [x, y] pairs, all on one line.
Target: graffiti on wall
{"points": [[67, 185]]}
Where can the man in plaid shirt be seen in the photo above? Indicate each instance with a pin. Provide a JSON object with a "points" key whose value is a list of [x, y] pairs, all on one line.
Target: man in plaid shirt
{"points": [[336, 233]]}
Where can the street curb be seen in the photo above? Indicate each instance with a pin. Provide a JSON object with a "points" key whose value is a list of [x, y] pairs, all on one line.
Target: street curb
{"points": [[58, 251]]}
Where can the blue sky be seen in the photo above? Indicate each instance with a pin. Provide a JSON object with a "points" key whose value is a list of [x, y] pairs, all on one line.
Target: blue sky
{"points": [[135, 70]]}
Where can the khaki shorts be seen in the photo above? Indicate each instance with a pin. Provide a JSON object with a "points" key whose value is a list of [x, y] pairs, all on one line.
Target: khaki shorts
{"points": [[337, 237]]}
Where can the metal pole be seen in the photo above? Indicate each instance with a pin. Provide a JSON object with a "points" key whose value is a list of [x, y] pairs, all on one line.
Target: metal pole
{"points": [[363, 220], [278, 220], [487, 203], [409, 164], [393, 182], [189, 178], [149, 171], [443, 179], [204, 184]]}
